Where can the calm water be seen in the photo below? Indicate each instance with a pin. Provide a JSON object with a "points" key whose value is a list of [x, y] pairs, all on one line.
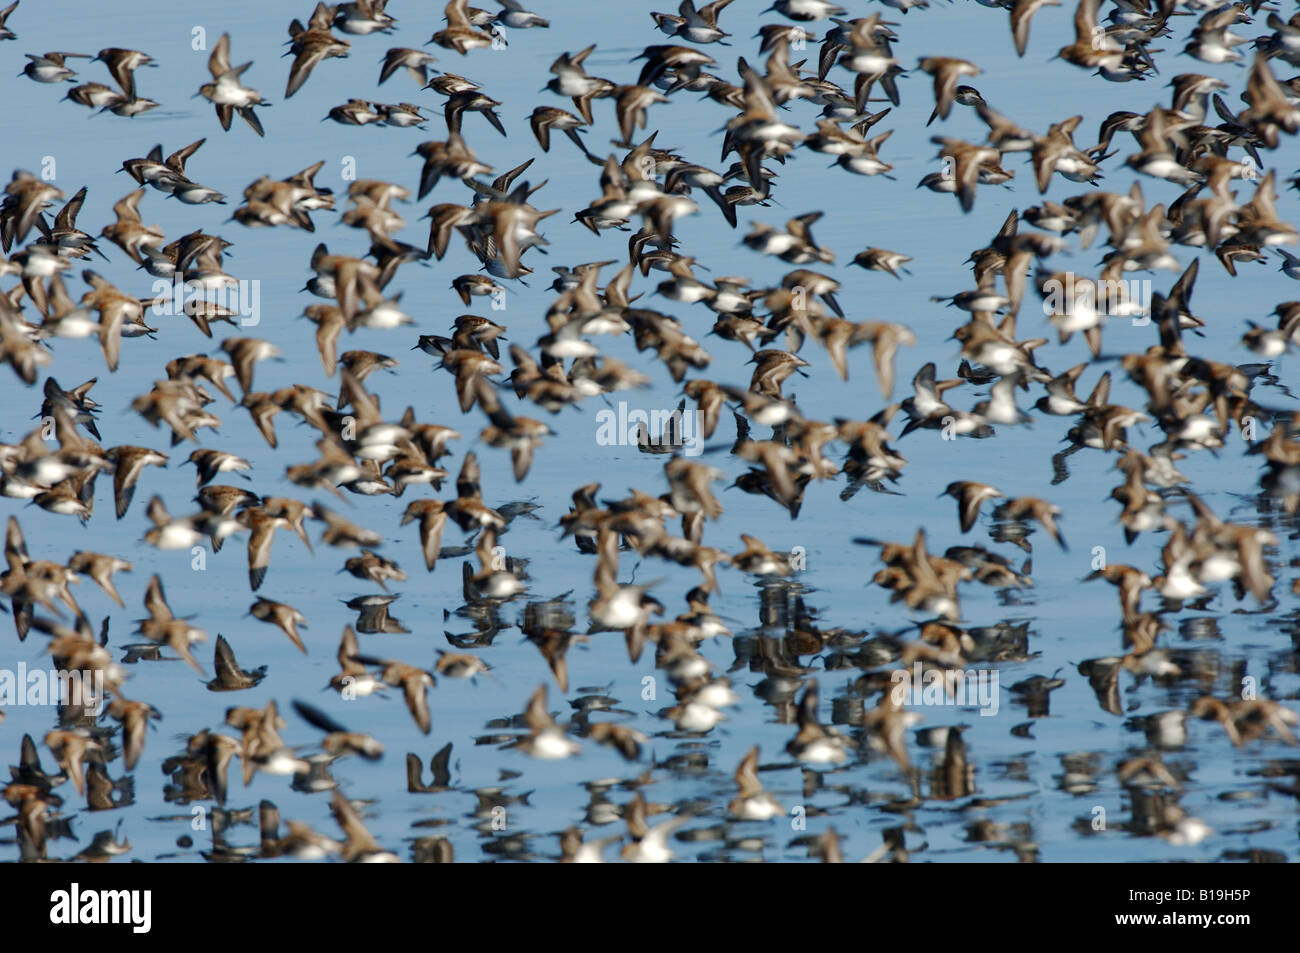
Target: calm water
{"points": [[1019, 761]]}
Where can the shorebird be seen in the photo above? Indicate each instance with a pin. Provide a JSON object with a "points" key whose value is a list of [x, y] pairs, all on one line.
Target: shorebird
{"points": [[459, 34], [226, 92], [546, 740], [814, 743], [128, 463], [50, 67], [947, 72], [286, 617], [415, 62], [970, 496], [229, 676], [5, 32], [311, 44], [692, 25], [752, 803], [649, 845], [414, 682]]}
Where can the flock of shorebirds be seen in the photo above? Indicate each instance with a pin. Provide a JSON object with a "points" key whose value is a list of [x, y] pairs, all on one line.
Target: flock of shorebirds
{"points": [[776, 107]]}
